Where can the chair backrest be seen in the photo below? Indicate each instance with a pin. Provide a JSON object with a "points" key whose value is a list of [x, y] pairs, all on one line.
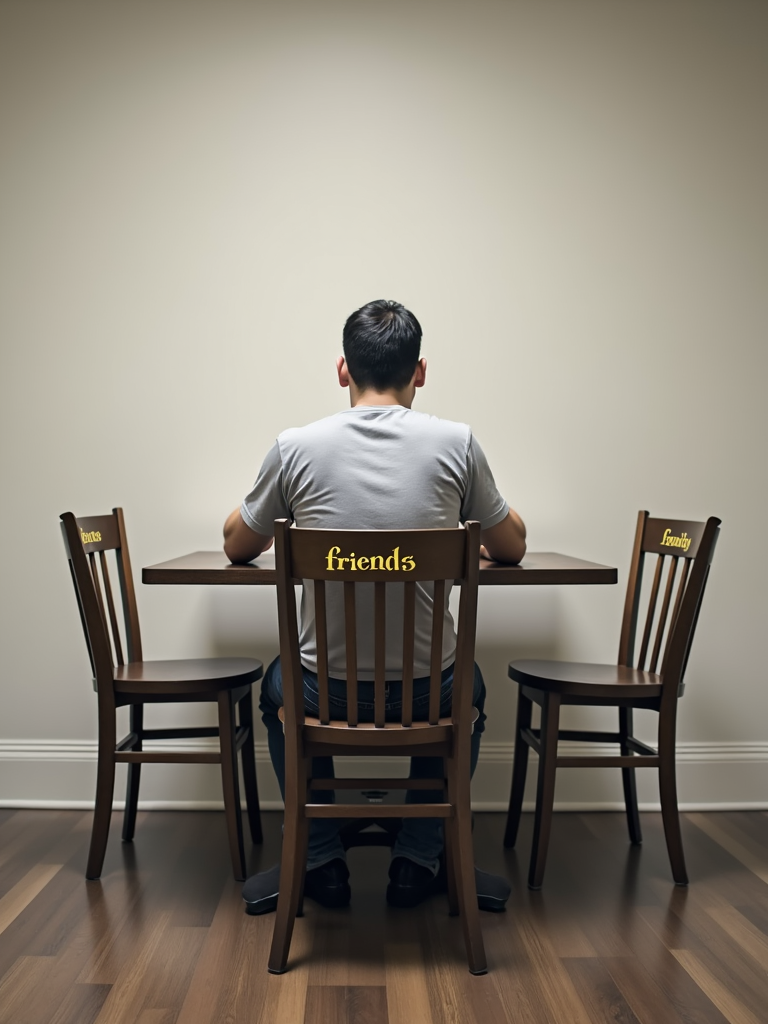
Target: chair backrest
{"points": [[380, 559], [87, 541], [667, 628]]}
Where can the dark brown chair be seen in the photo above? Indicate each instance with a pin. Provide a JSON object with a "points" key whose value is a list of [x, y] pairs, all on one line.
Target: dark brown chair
{"points": [[134, 682], [656, 684], [435, 556]]}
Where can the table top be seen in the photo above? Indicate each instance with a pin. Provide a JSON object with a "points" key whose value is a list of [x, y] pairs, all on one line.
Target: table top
{"points": [[212, 568]]}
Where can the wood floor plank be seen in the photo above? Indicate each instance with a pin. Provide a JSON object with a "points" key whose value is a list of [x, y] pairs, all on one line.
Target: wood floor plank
{"points": [[166, 985], [742, 931], [215, 963], [752, 823], [82, 1004], [367, 1004], [60, 997], [604, 1001], [726, 961], [156, 1017], [450, 999], [738, 975], [407, 992], [326, 1003], [29, 845], [346, 1004], [515, 985], [22, 831], [345, 954], [756, 915], [6, 813], [724, 999], [24, 892], [116, 916], [286, 995], [688, 1000], [139, 878], [18, 989], [564, 930], [751, 855], [126, 998], [557, 990], [646, 999]]}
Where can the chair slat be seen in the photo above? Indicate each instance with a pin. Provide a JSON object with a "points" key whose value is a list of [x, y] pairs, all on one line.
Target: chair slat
{"points": [[379, 653], [650, 614], [409, 627], [321, 633], [111, 607], [664, 612], [350, 629], [436, 656], [99, 598], [676, 610]]}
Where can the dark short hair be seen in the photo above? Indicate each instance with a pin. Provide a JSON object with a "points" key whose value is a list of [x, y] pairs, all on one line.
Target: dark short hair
{"points": [[382, 341]]}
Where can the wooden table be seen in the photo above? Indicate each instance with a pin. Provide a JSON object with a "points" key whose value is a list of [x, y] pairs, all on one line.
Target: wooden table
{"points": [[212, 568]]}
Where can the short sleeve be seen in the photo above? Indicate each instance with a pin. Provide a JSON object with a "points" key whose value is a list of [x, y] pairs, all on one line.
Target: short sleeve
{"points": [[482, 500], [266, 501]]}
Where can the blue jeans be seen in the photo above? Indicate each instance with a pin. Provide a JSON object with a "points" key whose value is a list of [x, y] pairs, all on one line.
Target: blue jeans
{"points": [[420, 839]]}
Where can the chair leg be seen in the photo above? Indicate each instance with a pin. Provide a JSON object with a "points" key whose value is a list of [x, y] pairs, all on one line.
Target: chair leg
{"points": [[248, 758], [134, 776], [628, 779], [450, 872], [545, 790], [668, 794], [293, 867], [230, 783], [458, 830], [105, 787], [519, 768]]}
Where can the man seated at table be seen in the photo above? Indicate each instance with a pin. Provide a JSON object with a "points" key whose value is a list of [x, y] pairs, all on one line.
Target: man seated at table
{"points": [[378, 465]]}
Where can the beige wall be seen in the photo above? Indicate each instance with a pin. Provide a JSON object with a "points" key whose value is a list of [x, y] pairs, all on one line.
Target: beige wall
{"points": [[570, 196]]}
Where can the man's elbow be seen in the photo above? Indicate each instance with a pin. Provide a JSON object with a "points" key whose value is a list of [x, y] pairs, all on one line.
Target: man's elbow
{"points": [[240, 550], [235, 554], [505, 542], [511, 554], [241, 543]]}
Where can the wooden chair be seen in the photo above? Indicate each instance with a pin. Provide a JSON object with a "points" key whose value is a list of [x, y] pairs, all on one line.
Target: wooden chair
{"points": [[134, 682], [435, 556], [633, 683]]}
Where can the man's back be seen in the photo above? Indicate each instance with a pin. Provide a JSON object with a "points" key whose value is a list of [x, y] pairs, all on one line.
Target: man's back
{"points": [[374, 468]]}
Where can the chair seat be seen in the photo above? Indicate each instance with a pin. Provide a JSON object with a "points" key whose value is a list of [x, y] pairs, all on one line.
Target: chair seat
{"points": [[193, 675], [581, 679]]}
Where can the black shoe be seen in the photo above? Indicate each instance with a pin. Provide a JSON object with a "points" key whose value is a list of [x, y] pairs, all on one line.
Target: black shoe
{"points": [[492, 891], [260, 891], [327, 885], [411, 884]]}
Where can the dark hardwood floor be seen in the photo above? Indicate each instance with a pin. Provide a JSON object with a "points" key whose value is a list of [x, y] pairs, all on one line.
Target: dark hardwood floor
{"points": [[162, 938]]}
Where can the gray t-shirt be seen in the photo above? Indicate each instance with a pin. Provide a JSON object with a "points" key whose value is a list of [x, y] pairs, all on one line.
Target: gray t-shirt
{"points": [[374, 468]]}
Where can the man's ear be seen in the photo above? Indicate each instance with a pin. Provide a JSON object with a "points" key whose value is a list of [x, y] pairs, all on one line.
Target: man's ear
{"points": [[420, 376], [342, 371]]}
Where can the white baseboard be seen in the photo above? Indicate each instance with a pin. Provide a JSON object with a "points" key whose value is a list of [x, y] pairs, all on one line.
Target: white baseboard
{"points": [[60, 774]]}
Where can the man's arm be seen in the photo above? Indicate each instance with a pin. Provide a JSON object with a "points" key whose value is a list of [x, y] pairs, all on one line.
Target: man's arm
{"points": [[241, 543], [504, 542]]}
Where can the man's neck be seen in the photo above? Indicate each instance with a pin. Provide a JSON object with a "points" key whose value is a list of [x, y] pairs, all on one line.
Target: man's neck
{"points": [[371, 397]]}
